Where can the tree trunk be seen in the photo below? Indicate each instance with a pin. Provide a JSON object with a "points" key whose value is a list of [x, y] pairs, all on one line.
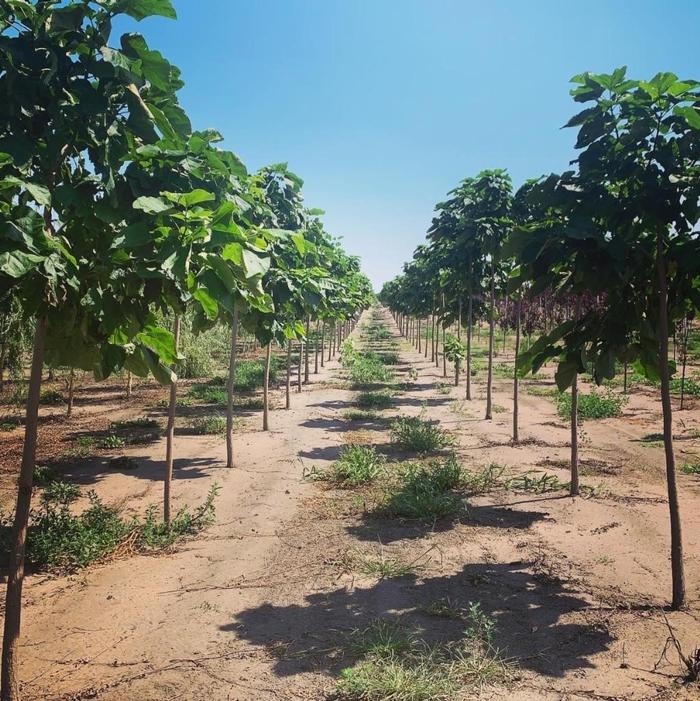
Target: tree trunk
{"points": [[624, 385], [229, 388], [287, 388], [301, 362], [574, 489], [469, 348], [266, 386], [492, 320], [459, 321], [444, 357], [306, 350], [677, 572], [170, 436], [323, 344], [71, 392], [516, 433], [129, 384], [316, 349], [684, 358], [9, 686]]}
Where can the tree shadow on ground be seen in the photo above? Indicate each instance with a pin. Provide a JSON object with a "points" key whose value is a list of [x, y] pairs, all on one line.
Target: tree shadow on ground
{"points": [[91, 471], [536, 621], [375, 526]]}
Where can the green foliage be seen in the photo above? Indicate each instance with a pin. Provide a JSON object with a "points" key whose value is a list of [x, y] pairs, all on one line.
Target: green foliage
{"points": [[208, 425], [357, 464], [539, 483], [143, 422], [691, 468], [112, 441], [361, 415], [154, 533], [416, 435], [60, 492], [60, 540], [424, 491], [455, 350], [396, 664], [593, 405], [51, 397], [374, 400], [368, 370]]}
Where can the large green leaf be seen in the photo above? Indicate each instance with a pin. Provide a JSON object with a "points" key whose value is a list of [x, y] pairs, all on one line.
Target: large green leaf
{"points": [[160, 341], [140, 9]]}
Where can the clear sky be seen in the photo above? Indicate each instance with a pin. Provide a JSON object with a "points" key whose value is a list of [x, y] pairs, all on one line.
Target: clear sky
{"points": [[382, 106]]}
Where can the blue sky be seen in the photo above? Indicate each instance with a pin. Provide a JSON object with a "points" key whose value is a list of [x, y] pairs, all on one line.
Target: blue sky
{"points": [[382, 106]]}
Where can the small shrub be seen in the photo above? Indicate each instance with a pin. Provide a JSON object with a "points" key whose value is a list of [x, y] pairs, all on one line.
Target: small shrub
{"points": [[388, 357], [384, 567], [361, 415], [414, 434], [154, 533], [539, 391], [374, 400], [140, 422], [540, 483], [366, 371], [488, 478], [44, 474], [357, 464], [424, 492], [9, 424], [593, 405], [51, 397], [208, 425], [691, 468], [112, 441], [691, 388], [60, 492], [60, 540]]}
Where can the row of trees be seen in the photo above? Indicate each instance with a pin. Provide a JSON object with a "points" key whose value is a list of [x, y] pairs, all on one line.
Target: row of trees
{"points": [[115, 214], [601, 262]]}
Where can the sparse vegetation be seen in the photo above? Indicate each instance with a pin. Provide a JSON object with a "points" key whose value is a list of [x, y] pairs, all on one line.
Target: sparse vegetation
{"points": [[593, 405], [416, 435]]}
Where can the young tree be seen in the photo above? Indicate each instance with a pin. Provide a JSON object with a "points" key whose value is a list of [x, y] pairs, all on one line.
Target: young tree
{"points": [[623, 228]]}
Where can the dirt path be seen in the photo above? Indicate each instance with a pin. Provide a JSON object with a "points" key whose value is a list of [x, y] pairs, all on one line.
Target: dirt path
{"points": [[261, 606], [163, 621]]}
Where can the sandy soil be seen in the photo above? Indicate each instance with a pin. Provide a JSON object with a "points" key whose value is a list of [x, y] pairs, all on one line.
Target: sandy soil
{"points": [[259, 606]]}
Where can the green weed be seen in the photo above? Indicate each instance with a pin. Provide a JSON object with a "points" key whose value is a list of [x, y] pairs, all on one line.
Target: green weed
{"points": [[593, 405], [414, 434]]}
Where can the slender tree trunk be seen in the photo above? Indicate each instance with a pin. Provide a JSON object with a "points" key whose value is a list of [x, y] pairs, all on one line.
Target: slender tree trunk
{"points": [[288, 383], [170, 435], [516, 433], [129, 384], [419, 346], [71, 393], [301, 362], [459, 321], [9, 686], [574, 490], [677, 567], [492, 320], [306, 350], [444, 357], [624, 385], [316, 349], [266, 387], [323, 344], [229, 388], [684, 358], [469, 348]]}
